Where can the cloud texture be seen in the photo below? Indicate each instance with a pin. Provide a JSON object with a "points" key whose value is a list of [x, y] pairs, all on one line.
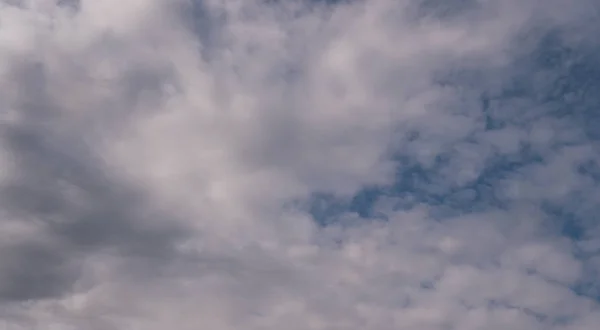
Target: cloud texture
{"points": [[227, 164]]}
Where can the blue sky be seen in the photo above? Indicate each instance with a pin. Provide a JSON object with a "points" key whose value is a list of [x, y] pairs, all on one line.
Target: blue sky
{"points": [[566, 98], [346, 165]]}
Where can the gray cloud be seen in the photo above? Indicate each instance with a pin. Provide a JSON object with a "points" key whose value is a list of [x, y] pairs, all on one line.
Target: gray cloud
{"points": [[307, 165], [61, 189]]}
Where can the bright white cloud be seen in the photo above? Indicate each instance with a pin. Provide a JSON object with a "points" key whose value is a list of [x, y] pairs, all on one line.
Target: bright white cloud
{"points": [[153, 152]]}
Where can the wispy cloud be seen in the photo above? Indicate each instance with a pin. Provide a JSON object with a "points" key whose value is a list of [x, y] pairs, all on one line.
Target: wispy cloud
{"points": [[298, 164]]}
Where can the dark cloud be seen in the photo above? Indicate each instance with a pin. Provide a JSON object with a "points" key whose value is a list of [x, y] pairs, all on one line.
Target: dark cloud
{"points": [[80, 204]]}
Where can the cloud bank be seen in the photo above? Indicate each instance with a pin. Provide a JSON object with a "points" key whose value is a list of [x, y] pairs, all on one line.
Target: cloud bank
{"points": [[221, 164]]}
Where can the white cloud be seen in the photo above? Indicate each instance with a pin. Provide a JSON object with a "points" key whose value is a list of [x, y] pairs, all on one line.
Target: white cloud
{"points": [[149, 164]]}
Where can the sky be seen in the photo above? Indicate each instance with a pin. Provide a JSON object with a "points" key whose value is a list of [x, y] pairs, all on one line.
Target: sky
{"points": [[309, 165]]}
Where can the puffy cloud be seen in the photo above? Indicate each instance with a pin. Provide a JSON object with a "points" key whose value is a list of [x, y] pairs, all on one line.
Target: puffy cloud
{"points": [[161, 159]]}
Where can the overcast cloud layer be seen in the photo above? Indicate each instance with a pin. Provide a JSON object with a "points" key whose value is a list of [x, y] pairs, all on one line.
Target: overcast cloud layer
{"points": [[255, 164]]}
